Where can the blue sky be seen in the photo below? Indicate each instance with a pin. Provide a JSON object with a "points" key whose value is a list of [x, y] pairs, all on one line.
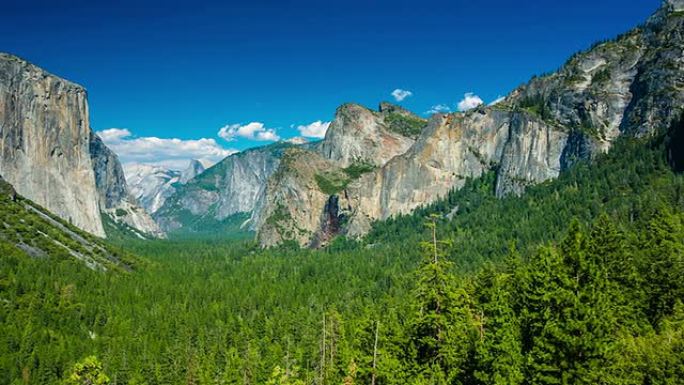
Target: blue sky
{"points": [[183, 70]]}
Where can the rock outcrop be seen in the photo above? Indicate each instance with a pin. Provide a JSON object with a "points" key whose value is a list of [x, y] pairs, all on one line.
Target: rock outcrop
{"points": [[194, 168], [151, 185], [113, 195], [360, 135], [232, 186], [633, 85], [45, 142], [305, 199], [293, 204]]}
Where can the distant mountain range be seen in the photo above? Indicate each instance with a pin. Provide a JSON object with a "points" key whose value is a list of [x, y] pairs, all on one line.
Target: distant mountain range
{"points": [[150, 185]]}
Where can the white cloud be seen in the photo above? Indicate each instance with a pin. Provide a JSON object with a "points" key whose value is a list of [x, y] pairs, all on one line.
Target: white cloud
{"points": [[497, 100], [439, 108], [251, 131], [470, 101], [113, 135], [169, 152], [316, 129], [297, 140], [400, 94]]}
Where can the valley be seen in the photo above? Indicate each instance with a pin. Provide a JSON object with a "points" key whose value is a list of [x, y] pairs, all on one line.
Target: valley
{"points": [[537, 239]]}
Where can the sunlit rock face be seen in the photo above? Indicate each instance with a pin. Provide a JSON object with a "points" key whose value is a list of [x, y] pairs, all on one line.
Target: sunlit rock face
{"points": [[45, 142], [628, 86], [50, 155], [675, 5], [359, 134], [114, 197], [232, 186], [296, 204], [151, 185]]}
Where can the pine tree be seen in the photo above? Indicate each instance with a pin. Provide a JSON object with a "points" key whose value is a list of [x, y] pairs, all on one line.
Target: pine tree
{"points": [[614, 256], [498, 353], [442, 329], [661, 243], [568, 313]]}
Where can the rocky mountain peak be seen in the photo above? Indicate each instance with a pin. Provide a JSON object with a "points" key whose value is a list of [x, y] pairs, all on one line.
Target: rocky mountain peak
{"points": [[389, 108], [114, 196], [194, 168], [674, 5], [628, 86], [358, 134]]}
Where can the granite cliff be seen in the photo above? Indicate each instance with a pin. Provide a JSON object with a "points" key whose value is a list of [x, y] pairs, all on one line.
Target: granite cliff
{"points": [[632, 85], [114, 197], [231, 187], [45, 142], [49, 153], [305, 199], [151, 185]]}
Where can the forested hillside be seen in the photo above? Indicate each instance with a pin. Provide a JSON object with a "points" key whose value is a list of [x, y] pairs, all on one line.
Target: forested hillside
{"points": [[577, 281], [28, 229]]}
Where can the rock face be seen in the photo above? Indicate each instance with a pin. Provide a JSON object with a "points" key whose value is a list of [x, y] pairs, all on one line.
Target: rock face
{"points": [[304, 200], [113, 195], [292, 204], [232, 186], [194, 168], [45, 142], [675, 5], [50, 155], [151, 185], [633, 85], [360, 135]]}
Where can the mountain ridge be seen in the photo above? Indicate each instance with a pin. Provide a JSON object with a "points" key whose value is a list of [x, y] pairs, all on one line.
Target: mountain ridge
{"points": [[631, 86]]}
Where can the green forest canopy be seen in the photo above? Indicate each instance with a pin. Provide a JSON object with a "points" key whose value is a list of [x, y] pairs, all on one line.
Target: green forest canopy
{"points": [[577, 281]]}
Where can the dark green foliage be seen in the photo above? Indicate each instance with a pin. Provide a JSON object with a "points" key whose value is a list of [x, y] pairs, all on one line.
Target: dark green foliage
{"points": [[441, 331], [331, 182], [40, 234], [567, 313], [601, 76], [498, 349], [410, 126], [356, 169], [626, 183], [208, 227], [591, 301], [119, 231], [536, 105], [675, 154]]}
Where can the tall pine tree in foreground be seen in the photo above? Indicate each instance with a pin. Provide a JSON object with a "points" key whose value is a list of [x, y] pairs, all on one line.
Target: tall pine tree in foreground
{"points": [[442, 330], [498, 352], [567, 313]]}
